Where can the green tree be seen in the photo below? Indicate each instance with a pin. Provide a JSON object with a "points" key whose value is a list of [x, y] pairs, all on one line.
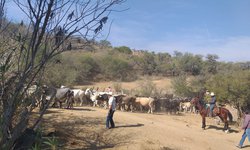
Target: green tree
{"points": [[115, 68], [232, 88], [212, 63], [189, 63], [182, 87], [105, 44], [123, 49], [88, 69], [148, 63], [163, 65]]}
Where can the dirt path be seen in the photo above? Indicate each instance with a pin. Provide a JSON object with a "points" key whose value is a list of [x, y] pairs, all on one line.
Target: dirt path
{"points": [[84, 128]]}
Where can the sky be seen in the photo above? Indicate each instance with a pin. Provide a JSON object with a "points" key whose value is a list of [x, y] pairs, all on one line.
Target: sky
{"points": [[220, 27]]}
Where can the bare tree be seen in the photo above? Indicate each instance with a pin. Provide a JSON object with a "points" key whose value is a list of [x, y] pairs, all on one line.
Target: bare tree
{"points": [[31, 45], [2, 4]]}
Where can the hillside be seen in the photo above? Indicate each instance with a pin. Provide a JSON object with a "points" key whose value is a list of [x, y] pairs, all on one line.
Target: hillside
{"points": [[161, 83]]}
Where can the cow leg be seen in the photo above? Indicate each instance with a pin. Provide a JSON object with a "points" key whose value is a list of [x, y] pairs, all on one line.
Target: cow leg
{"points": [[81, 101], [131, 107], [105, 104], [60, 104], [122, 107], [149, 110], [151, 107]]}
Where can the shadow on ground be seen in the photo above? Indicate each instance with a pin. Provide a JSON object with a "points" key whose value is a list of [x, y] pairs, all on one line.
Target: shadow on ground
{"points": [[80, 133], [246, 146], [82, 109], [221, 128], [130, 125]]}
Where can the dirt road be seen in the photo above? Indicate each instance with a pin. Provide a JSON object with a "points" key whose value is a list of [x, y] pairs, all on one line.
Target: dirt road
{"points": [[84, 128]]}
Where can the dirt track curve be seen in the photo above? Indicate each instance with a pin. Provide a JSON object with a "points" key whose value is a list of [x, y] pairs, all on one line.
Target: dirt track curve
{"points": [[84, 128]]}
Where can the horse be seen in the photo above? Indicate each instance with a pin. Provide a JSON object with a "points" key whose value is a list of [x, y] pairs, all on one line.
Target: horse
{"points": [[221, 112]]}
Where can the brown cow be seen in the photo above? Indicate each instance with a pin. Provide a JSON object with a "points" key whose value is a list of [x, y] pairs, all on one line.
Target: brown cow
{"points": [[126, 102]]}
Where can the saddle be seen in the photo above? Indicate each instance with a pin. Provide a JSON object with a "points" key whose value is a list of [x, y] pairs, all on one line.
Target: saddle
{"points": [[216, 111]]}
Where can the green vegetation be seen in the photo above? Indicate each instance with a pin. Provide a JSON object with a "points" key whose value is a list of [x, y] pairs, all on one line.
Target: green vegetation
{"points": [[45, 52], [52, 142], [191, 73]]}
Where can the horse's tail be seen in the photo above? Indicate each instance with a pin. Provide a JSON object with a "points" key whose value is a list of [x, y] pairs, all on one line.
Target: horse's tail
{"points": [[230, 116]]}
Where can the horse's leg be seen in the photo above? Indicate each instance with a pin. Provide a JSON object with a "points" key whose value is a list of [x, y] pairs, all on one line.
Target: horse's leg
{"points": [[203, 122], [226, 123]]}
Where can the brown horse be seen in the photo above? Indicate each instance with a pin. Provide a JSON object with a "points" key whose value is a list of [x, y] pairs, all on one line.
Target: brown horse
{"points": [[221, 112]]}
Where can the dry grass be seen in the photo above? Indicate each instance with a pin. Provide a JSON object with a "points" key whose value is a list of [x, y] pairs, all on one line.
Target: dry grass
{"points": [[160, 83]]}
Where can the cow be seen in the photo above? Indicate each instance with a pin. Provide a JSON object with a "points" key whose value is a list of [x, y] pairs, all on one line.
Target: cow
{"points": [[70, 99], [79, 96], [48, 95], [62, 96], [186, 107], [145, 102], [102, 99], [126, 103], [168, 105]]}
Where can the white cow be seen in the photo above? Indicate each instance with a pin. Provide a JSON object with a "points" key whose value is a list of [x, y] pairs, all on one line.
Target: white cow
{"points": [[78, 95], [186, 106]]}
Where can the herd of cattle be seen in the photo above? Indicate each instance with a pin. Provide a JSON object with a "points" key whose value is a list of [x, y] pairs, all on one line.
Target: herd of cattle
{"points": [[68, 98]]}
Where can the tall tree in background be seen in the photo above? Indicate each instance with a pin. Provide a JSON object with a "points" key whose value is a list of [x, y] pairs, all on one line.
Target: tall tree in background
{"points": [[30, 46], [212, 63]]}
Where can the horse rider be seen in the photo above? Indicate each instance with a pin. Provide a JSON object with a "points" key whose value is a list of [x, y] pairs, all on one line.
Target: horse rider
{"points": [[207, 98], [212, 103]]}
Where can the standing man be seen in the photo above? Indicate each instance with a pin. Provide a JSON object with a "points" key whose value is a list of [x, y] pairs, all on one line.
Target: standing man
{"points": [[112, 105], [246, 128], [212, 103]]}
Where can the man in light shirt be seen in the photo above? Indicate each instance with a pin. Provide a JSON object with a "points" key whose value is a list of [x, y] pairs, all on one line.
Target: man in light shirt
{"points": [[112, 105]]}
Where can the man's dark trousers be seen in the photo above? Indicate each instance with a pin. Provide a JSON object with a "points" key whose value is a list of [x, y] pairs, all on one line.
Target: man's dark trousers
{"points": [[110, 119]]}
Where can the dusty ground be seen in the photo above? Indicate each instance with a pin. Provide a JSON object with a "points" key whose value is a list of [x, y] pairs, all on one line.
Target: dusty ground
{"points": [[84, 128]]}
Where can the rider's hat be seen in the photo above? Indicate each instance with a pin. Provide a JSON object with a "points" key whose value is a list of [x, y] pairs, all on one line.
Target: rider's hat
{"points": [[212, 94]]}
